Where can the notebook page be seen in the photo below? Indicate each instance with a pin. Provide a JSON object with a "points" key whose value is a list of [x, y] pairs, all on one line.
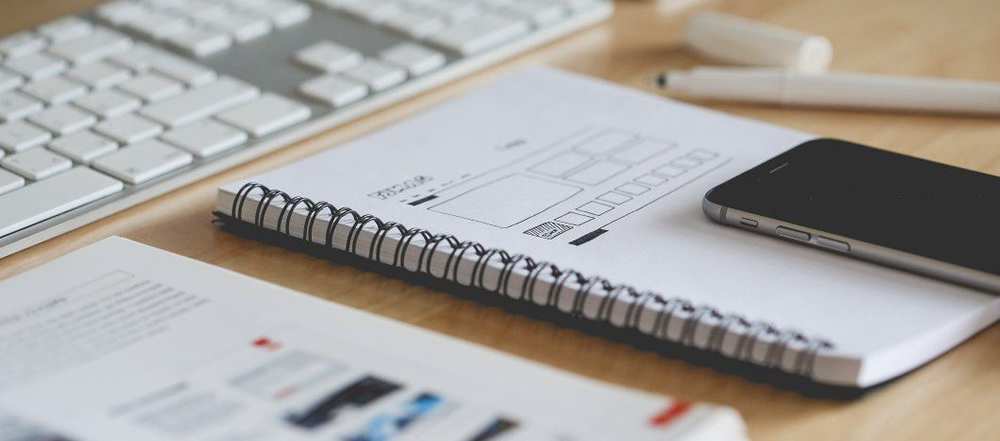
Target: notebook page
{"points": [[609, 181], [140, 344]]}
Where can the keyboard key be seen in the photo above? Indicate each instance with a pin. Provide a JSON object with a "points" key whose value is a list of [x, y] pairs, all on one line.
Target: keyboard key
{"points": [[540, 13], [22, 43], [282, 13], [455, 10], [9, 80], [142, 58], [334, 90], [580, 5], [108, 103], [417, 23], [139, 57], [241, 26], [36, 66], [266, 115], [197, 9], [93, 47], [200, 102], [152, 87], [56, 195], [206, 138], [329, 57], [62, 119], [141, 162], [16, 105], [83, 146], [9, 181], [181, 70], [36, 164], [99, 75], [201, 42], [158, 25], [375, 11], [480, 33], [66, 28], [17, 136], [416, 59], [55, 90], [376, 74], [121, 11], [335, 4], [128, 128]]}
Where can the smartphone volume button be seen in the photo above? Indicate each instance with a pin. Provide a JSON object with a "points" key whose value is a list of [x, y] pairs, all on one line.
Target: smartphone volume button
{"points": [[833, 244], [792, 233]]}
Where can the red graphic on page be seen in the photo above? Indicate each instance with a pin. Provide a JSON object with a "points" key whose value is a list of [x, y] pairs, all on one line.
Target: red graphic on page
{"points": [[668, 415], [266, 344]]}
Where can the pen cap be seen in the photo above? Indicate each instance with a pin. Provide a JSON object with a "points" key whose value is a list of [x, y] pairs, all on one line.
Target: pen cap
{"points": [[738, 40]]}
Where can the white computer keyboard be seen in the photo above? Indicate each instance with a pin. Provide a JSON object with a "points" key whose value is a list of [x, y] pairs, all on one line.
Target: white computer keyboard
{"points": [[112, 107]]}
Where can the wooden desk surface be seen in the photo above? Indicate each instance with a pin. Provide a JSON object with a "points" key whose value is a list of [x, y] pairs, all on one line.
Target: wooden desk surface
{"points": [[955, 397]]}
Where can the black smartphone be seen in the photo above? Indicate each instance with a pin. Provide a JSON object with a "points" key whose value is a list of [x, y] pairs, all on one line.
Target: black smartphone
{"points": [[897, 210]]}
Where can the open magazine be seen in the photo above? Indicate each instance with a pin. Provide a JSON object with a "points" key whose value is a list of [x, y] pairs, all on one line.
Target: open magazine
{"points": [[120, 341]]}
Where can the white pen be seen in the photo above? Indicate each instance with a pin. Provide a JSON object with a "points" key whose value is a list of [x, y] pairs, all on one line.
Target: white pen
{"points": [[836, 90]]}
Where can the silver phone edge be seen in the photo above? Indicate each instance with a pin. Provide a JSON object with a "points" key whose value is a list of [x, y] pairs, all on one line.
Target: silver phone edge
{"points": [[858, 249]]}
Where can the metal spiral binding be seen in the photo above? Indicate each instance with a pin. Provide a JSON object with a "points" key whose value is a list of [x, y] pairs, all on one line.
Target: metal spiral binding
{"points": [[667, 310]]}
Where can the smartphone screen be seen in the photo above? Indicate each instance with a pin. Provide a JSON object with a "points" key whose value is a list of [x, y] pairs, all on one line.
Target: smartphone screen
{"points": [[908, 204]]}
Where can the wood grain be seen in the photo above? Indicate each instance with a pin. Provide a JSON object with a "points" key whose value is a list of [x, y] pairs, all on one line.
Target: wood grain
{"points": [[955, 397]]}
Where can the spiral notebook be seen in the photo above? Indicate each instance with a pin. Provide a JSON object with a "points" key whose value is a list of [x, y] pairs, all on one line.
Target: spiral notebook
{"points": [[583, 199]]}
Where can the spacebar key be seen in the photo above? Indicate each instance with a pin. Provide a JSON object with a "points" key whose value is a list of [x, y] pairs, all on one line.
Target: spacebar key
{"points": [[201, 102], [53, 196]]}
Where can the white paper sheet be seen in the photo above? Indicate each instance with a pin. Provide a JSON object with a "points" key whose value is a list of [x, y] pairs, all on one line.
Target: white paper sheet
{"points": [[120, 341]]}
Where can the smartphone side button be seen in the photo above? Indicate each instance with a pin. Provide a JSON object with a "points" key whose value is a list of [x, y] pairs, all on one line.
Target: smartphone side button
{"points": [[833, 244], [792, 233]]}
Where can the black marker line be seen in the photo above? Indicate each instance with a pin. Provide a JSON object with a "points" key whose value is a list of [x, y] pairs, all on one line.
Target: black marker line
{"points": [[422, 200], [588, 237]]}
